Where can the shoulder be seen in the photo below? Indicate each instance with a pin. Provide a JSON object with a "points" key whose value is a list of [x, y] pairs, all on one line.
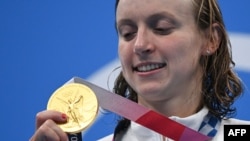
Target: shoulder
{"points": [[230, 121], [234, 121], [219, 135]]}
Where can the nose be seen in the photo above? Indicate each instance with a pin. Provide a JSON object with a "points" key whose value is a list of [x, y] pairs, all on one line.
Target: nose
{"points": [[142, 45]]}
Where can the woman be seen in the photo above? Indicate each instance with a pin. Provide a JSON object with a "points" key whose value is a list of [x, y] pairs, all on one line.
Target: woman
{"points": [[176, 60]]}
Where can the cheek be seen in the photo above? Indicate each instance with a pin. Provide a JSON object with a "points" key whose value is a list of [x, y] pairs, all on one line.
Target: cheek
{"points": [[182, 51], [190, 58], [124, 53], [125, 60]]}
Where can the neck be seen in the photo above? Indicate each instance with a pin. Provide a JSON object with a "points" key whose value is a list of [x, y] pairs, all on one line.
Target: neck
{"points": [[182, 105], [182, 102]]}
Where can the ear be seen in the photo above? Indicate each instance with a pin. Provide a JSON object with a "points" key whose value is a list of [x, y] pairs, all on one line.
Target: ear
{"points": [[213, 41]]}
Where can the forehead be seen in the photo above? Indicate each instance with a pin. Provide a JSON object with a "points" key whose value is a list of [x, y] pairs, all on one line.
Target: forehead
{"points": [[143, 8]]}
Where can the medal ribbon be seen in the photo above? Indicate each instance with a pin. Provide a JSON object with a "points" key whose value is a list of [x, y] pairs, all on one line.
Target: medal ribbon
{"points": [[75, 137], [142, 115]]}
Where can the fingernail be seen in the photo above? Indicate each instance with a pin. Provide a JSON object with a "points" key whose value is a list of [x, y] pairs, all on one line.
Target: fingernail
{"points": [[64, 116]]}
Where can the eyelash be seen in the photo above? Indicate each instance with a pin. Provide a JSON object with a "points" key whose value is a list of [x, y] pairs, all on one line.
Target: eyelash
{"points": [[160, 31], [128, 35]]}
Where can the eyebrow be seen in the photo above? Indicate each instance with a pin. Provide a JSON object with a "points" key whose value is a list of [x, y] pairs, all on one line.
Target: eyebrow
{"points": [[150, 20], [124, 22]]}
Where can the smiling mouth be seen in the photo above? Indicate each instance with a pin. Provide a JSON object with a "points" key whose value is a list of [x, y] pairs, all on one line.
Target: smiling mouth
{"points": [[149, 67]]}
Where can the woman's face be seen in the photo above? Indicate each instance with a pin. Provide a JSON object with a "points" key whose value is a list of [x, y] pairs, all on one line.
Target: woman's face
{"points": [[159, 47]]}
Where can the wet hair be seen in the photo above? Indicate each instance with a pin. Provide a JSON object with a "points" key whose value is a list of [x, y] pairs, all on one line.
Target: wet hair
{"points": [[221, 85]]}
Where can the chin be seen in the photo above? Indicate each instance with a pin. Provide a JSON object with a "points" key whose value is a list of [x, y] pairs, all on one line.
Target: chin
{"points": [[148, 91]]}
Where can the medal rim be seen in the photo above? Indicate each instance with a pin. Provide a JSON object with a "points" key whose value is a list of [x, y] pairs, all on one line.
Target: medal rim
{"points": [[57, 92]]}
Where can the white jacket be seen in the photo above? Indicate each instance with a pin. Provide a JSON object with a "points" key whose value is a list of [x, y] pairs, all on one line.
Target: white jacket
{"points": [[137, 132]]}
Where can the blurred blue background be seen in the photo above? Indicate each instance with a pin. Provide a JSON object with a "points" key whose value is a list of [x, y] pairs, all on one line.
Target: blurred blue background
{"points": [[43, 43]]}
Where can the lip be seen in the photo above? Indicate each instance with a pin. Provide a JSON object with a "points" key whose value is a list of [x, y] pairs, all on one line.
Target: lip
{"points": [[148, 67]]}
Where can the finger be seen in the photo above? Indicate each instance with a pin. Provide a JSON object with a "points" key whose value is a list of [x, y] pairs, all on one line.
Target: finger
{"points": [[56, 116], [59, 132], [49, 131], [43, 134]]}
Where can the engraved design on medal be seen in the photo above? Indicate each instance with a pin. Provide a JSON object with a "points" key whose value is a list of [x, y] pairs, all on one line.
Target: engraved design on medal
{"points": [[73, 109], [78, 102]]}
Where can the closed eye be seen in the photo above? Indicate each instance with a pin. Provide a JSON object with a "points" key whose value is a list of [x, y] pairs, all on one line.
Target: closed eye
{"points": [[127, 29], [129, 36], [127, 32], [163, 31]]}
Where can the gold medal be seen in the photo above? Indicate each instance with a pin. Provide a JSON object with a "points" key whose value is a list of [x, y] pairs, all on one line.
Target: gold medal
{"points": [[78, 102]]}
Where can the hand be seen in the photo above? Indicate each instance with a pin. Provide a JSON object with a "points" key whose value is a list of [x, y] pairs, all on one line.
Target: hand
{"points": [[47, 128]]}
